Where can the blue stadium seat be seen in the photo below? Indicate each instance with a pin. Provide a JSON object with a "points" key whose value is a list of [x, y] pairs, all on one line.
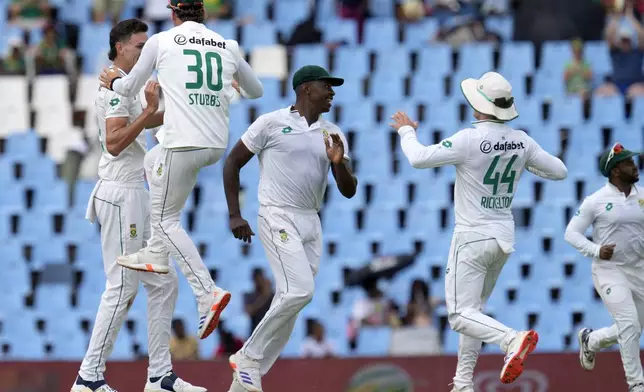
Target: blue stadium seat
{"points": [[434, 60], [92, 37], [52, 200], [517, 59], [351, 62], [349, 93], [637, 107], [225, 28], [76, 12], [597, 52], [428, 88], [396, 62], [23, 146], [567, 111], [419, 34], [444, 115], [555, 55], [309, 54], [559, 193], [340, 30], [288, 14], [547, 86], [548, 219], [607, 111], [12, 200], [254, 35], [391, 194], [501, 25], [380, 33], [374, 341], [358, 115], [381, 8], [255, 9], [384, 87], [588, 139], [476, 59]]}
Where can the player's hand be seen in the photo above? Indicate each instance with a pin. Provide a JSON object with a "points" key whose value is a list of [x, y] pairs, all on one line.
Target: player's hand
{"points": [[152, 93], [401, 119], [334, 148], [107, 76], [606, 251], [240, 228], [236, 86]]}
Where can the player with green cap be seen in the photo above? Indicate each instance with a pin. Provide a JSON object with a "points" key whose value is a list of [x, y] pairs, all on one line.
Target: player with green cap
{"points": [[296, 147], [616, 213], [198, 71]]}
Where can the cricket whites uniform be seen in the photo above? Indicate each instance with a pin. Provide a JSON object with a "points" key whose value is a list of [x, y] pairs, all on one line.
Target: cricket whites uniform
{"points": [[196, 67], [616, 219], [120, 203], [294, 170], [489, 159]]}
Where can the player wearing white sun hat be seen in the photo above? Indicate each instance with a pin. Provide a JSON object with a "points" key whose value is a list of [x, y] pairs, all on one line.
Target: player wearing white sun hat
{"points": [[490, 158]]}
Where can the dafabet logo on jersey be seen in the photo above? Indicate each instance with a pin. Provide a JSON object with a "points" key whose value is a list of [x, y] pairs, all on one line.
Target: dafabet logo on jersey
{"points": [[181, 39], [487, 146]]}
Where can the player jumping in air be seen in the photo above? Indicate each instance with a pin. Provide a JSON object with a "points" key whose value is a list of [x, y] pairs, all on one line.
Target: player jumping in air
{"points": [[121, 205], [296, 147], [196, 68], [489, 159], [616, 213]]}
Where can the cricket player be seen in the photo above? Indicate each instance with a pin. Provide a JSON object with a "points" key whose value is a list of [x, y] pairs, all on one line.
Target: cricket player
{"points": [[296, 147], [120, 203], [489, 159], [616, 213], [196, 68]]}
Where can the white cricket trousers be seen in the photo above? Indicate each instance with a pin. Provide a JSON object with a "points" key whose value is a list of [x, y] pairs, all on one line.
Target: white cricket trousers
{"points": [[474, 264], [122, 210], [622, 291], [292, 241], [172, 180]]}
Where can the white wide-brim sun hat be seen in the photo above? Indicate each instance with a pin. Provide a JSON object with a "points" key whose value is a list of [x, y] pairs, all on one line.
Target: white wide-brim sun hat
{"points": [[491, 95]]}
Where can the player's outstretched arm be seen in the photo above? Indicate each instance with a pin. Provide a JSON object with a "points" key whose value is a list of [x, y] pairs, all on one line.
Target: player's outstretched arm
{"points": [[238, 158], [347, 182], [575, 232], [452, 151], [130, 85], [120, 134], [544, 165]]}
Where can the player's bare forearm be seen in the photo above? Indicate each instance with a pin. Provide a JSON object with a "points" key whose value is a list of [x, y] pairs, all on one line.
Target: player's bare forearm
{"points": [[347, 182], [238, 157], [156, 120], [120, 134]]}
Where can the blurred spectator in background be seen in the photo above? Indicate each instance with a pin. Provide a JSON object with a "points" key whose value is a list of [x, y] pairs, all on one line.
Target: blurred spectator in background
{"points": [[218, 9], [308, 33], [315, 345], [14, 61], [228, 342], [625, 37], [50, 53], [495, 7], [411, 10], [463, 30], [420, 309], [182, 346], [29, 13], [257, 302], [354, 9], [108, 10], [578, 76], [374, 309]]}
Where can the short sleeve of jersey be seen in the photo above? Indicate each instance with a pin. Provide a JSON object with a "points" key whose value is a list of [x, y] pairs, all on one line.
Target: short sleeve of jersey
{"points": [[256, 137], [116, 106]]}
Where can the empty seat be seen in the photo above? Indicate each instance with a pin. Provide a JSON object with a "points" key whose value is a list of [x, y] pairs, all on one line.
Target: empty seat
{"points": [[258, 35], [554, 56], [269, 61], [435, 60], [476, 59], [395, 62], [340, 30], [380, 33], [351, 62], [309, 55], [567, 111], [517, 59], [374, 341], [419, 34], [288, 14], [225, 28], [607, 111]]}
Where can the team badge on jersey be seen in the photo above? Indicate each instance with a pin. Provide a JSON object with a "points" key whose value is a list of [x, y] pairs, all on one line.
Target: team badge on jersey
{"points": [[641, 203], [133, 230], [325, 133], [160, 170], [283, 235]]}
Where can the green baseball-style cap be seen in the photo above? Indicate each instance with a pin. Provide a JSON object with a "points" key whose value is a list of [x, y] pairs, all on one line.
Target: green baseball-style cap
{"points": [[612, 157], [185, 3], [311, 73]]}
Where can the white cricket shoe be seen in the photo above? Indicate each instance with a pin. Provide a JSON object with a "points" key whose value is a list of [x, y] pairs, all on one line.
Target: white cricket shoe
{"points": [[523, 344], [236, 386], [636, 388], [454, 389], [81, 385], [210, 312], [247, 372], [171, 382], [586, 355], [145, 261]]}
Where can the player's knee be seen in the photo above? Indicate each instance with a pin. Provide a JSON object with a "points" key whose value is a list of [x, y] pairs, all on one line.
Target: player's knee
{"points": [[301, 297], [455, 321], [630, 330]]}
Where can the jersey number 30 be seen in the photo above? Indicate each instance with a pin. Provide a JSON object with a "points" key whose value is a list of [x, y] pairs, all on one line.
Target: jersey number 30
{"points": [[493, 176], [197, 68]]}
